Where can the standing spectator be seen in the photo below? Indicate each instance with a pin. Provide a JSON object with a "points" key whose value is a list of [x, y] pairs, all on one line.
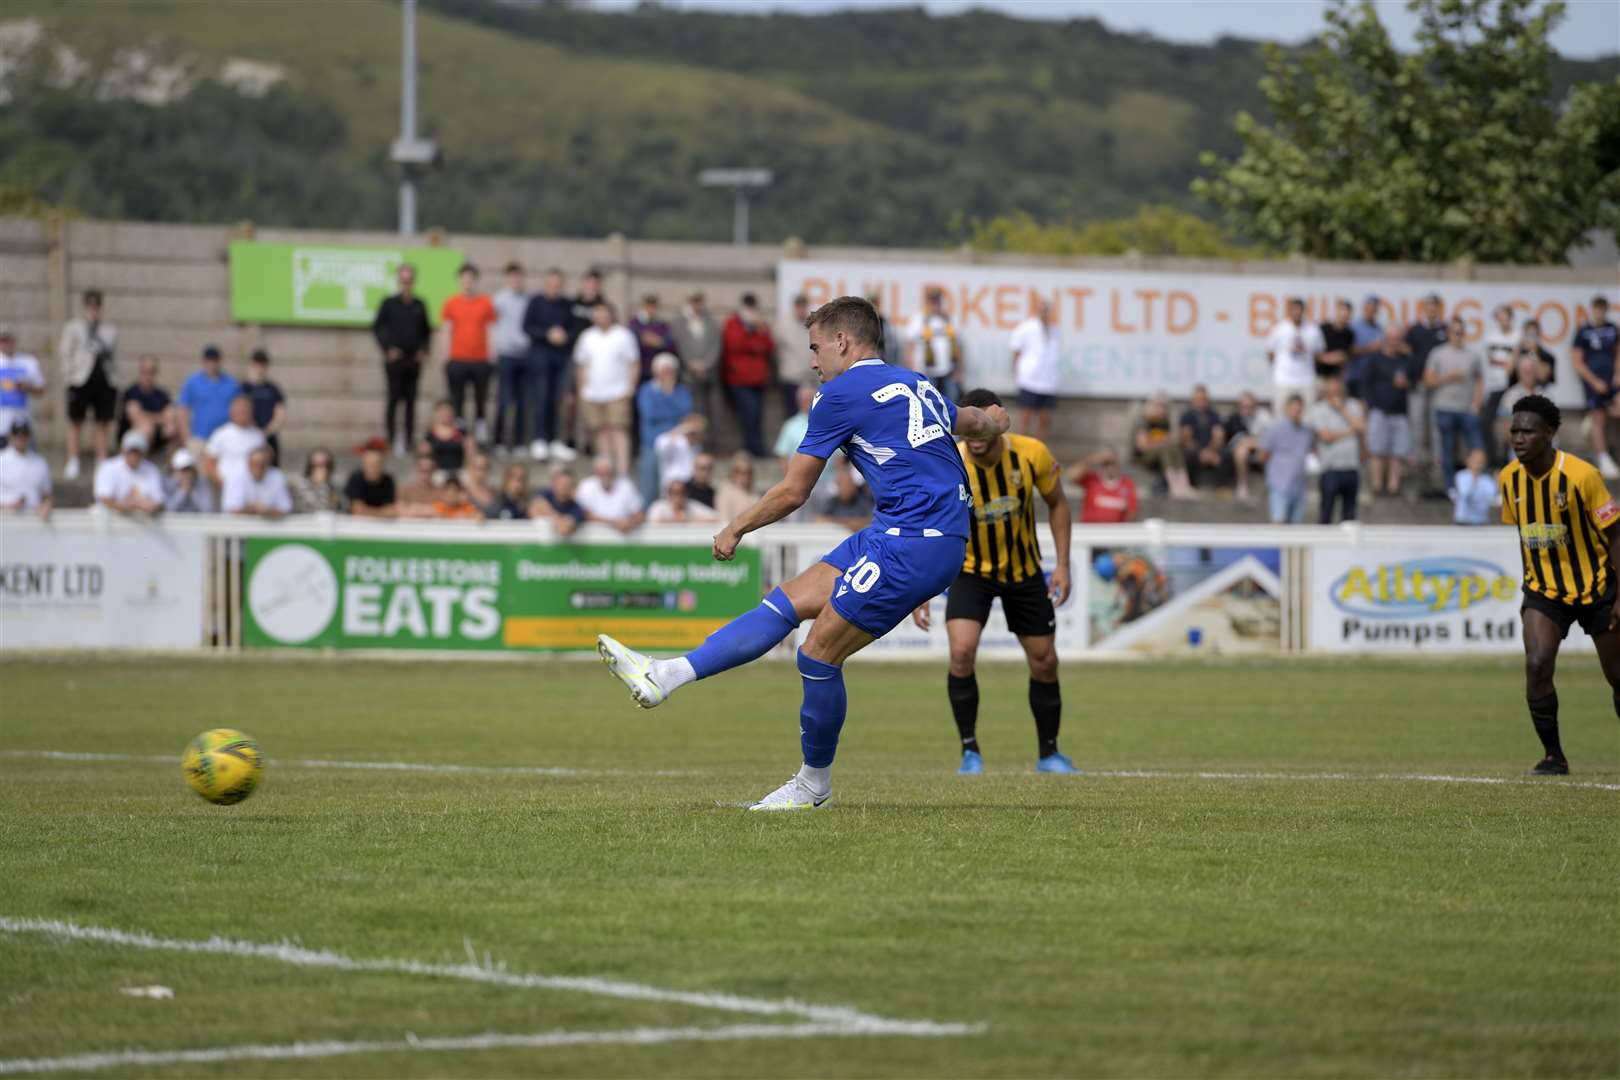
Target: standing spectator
{"points": [[316, 491], [654, 336], [701, 486], [468, 317], [1475, 493], [1592, 352], [609, 497], [746, 348], [148, 409], [736, 492], [446, 439], [676, 508], [129, 483], [678, 452], [205, 401], [1108, 496], [794, 427], [25, 479], [661, 405], [1340, 425], [549, 321], [1338, 345], [1244, 428], [418, 494], [229, 446], [1293, 345], [935, 348], [1369, 339], [452, 503], [258, 490], [1422, 337], [269, 403], [1286, 445], [607, 359], [697, 342], [793, 354], [1388, 381], [20, 379], [1156, 450], [88, 353], [559, 505], [187, 493], [514, 398], [369, 491], [1036, 358], [590, 294], [404, 335], [1501, 351], [512, 504], [1203, 440], [1455, 378], [894, 342], [848, 504]]}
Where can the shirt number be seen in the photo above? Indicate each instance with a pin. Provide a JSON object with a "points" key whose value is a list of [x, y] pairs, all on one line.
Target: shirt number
{"points": [[918, 431]]}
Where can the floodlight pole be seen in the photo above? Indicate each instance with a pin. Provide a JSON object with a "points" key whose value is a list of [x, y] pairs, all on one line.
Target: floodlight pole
{"points": [[407, 118], [739, 182], [739, 217]]}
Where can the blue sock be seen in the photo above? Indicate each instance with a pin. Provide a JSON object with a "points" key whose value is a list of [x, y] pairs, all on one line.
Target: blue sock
{"points": [[822, 716], [747, 637]]}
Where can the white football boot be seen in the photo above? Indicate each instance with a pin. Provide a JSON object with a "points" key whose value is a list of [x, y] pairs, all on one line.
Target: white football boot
{"points": [[633, 669], [796, 794]]}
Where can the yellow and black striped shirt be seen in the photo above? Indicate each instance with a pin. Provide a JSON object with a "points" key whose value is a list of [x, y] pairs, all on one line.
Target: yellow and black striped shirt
{"points": [[1001, 542], [1561, 517]]}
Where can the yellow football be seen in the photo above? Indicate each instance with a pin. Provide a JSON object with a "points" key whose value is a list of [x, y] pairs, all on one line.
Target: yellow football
{"points": [[223, 766]]}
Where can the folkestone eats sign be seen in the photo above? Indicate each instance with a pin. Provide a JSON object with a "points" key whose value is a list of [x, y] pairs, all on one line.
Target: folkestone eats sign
{"points": [[385, 594], [1423, 598]]}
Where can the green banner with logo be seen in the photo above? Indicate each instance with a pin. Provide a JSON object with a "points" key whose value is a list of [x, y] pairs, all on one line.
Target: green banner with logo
{"points": [[330, 284], [400, 594]]}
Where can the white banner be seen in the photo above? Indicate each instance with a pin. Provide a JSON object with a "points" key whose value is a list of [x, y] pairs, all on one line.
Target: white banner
{"points": [[1418, 598], [83, 588], [1125, 335]]}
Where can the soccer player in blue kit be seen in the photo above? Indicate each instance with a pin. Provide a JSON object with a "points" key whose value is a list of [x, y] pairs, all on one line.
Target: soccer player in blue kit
{"points": [[897, 429]]}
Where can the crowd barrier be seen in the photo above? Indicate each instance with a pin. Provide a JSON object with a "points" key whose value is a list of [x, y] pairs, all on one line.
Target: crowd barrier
{"points": [[92, 580]]}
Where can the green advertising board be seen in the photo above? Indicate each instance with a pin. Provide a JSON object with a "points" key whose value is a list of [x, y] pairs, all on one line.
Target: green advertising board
{"points": [[331, 285], [401, 594]]}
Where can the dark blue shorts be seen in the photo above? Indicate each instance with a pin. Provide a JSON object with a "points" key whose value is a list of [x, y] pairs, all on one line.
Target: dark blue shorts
{"points": [[1029, 399], [887, 577], [1595, 400]]}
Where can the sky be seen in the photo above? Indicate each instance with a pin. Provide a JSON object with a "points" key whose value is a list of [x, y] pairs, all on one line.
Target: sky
{"points": [[1590, 28]]}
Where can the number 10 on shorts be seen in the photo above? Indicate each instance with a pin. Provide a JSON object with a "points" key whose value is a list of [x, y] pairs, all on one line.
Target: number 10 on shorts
{"points": [[863, 575]]}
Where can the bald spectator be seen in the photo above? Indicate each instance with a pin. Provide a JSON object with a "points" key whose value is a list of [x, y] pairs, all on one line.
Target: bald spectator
{"points": [[1245, 427], [25, 479], [609, 498], [370, 491], [404, 335], [675, 508], [608, 361], [697, 342], [128, 483], [231, 443], [257, 490]]}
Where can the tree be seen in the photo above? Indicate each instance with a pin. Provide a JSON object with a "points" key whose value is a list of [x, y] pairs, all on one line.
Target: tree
{"points": [[1453, 151], [1154, 230]]}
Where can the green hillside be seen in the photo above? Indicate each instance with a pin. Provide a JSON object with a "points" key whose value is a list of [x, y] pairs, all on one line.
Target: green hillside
{"points": [[883, 127]]}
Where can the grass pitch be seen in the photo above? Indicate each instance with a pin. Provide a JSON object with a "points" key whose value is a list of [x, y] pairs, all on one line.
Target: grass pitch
{"points": [[1310, 911]]}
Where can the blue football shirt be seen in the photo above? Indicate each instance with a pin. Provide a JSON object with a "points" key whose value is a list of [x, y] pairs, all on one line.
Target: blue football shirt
{"points": [[896, 428]]}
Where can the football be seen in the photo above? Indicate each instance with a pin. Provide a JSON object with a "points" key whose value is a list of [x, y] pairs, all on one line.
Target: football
{"points": [[223, 766]]}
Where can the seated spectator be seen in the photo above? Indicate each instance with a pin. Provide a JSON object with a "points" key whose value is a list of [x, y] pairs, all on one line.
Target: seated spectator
{"points": [[1245, 427], [559, 505], [701, 487], [676, 508], [269, 403], [1202, 440], [1340, 424], [1284, 448], [316, 491], [147, 408], [1109, 495], [453, 503], [736, 492], [677, 451], [475, 482], [1530, 346], [661, 404], [205, 401], [1475, 492], [1388, 378], [25, 477], [794, 427], [512, 502], [231, 443], [418, 494], [849, 504], [128, 483], [1155, 450], [369, 491], [610, 499], [446, 439], [187, 492], [259, 490]]}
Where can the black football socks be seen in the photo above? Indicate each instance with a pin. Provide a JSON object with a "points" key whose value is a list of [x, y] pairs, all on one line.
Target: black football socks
{"points": [[963, 690], [1544, 715], [1046, 702]]}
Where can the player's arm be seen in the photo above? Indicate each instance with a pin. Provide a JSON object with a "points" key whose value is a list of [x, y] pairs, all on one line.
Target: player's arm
{"points": [[1057, 504], [975, 423], [786, 496]]}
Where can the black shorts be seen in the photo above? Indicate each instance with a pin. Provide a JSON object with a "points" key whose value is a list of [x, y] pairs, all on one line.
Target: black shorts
{"points": [[1026, 604], [1032, 399], [95, 396], [1594, 618]]}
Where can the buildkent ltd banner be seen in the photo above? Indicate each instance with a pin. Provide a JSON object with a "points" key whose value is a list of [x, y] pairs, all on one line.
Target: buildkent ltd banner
{"points": [[321, 285], [383, 594]]}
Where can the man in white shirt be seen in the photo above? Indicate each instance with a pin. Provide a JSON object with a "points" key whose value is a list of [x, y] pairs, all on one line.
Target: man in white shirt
{"points": [[1035, 350], [610, 497], [608, 361], [935, 349], [20, 378], [129, 483], [258, 490], [1293, 345], [232, 442], [25, 479]]}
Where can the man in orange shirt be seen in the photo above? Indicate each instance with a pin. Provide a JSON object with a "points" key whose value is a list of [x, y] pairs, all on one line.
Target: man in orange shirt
{"points": [[467, 318]]}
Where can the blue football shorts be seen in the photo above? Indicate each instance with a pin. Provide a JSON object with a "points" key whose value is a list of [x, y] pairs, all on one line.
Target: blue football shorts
{"points": [[886, 577]]}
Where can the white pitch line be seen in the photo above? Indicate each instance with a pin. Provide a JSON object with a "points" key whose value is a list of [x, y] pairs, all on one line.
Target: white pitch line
{"points": [[288, 953], [1415, 778], [380, 766], [413, 1044]]}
